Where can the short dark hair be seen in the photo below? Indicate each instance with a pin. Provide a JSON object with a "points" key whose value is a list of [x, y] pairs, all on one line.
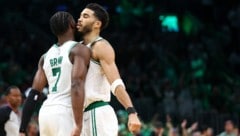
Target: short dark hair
{"points": [[230, 121], [8, 90], [100, 13], [59, 22]]}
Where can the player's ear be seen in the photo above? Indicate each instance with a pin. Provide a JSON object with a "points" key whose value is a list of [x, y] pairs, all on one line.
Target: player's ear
{"points": [[73, 24], [98, 24]]}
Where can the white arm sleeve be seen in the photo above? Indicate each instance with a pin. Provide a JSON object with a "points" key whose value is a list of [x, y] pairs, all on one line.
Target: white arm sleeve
{"points": [[115, 84]]}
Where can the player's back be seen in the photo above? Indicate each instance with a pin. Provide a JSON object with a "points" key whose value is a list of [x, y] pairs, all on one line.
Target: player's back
{"points": [[57, 67]]}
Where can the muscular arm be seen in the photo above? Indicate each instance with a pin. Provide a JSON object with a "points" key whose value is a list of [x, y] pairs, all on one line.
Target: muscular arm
{"points": [[80, 57], [105, 54], [39, 83], [40, 80]]}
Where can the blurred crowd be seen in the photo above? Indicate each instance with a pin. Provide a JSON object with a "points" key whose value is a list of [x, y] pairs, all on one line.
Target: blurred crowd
{"points": [[185, 128], [183, 83]]}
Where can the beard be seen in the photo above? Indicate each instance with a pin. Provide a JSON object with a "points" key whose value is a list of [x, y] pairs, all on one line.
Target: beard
{"points": [[86, 29]]}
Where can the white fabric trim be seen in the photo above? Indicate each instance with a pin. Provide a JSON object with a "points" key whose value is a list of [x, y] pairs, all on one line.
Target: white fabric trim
{"points": [[115, 84]]}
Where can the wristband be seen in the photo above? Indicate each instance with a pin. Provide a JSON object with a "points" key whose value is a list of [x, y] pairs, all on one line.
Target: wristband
{"points": [[131, 110]]}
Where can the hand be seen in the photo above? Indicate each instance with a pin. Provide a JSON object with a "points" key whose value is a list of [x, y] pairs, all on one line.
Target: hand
{"points": [[194, 126], [76, 131], [134, 124], [184, 124], [22, 134], [168, 117]]}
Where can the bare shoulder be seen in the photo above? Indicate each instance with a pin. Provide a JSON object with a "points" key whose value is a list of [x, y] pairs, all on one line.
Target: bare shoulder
{"points": [[41, 60], [102, 44], [103, 48], [81, 51]]}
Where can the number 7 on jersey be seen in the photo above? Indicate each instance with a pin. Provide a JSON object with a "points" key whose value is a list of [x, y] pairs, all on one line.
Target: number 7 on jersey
{"points": [[56, 72]]}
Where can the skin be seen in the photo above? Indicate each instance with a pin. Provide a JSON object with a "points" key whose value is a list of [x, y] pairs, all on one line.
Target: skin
{"points": [[33, 129], [90, 26], [80, 58], [229, 127], [208, 132], [14, 98]]}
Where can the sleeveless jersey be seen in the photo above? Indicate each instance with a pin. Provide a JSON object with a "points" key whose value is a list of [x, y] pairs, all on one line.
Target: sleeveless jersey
{"points": [[97, 87], [58, 67], [10, 121]]}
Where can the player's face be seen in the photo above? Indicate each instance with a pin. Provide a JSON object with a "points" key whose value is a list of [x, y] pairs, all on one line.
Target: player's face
{"points": [[86, 21], [15, 97]]}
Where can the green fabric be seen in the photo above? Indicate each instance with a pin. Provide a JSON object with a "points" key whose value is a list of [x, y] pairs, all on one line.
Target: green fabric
{"points": [[95, 105], [94, 127]]}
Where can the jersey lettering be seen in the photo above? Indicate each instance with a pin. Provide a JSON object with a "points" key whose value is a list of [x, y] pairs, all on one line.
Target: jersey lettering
{"points": [[56, 61], [56, 71]]}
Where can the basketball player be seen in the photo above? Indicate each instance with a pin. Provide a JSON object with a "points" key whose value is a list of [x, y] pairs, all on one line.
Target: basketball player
{"points": [[103, 76], [63, 67], [9, 114]]}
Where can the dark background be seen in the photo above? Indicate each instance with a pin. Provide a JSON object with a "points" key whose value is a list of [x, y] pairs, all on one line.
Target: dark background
{"points": [[192, 73]]}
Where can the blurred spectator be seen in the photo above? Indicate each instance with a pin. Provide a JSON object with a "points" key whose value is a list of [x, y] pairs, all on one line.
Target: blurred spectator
{"points": [[33, 129], [206, 131], [196, 133], [158, 129], [192, 130], [236, 131], [228, 129], [9, 114], [169, 100]]}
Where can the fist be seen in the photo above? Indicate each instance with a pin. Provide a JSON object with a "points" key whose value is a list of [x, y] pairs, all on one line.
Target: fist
{"points": [[76, 132], [134, 124]]}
